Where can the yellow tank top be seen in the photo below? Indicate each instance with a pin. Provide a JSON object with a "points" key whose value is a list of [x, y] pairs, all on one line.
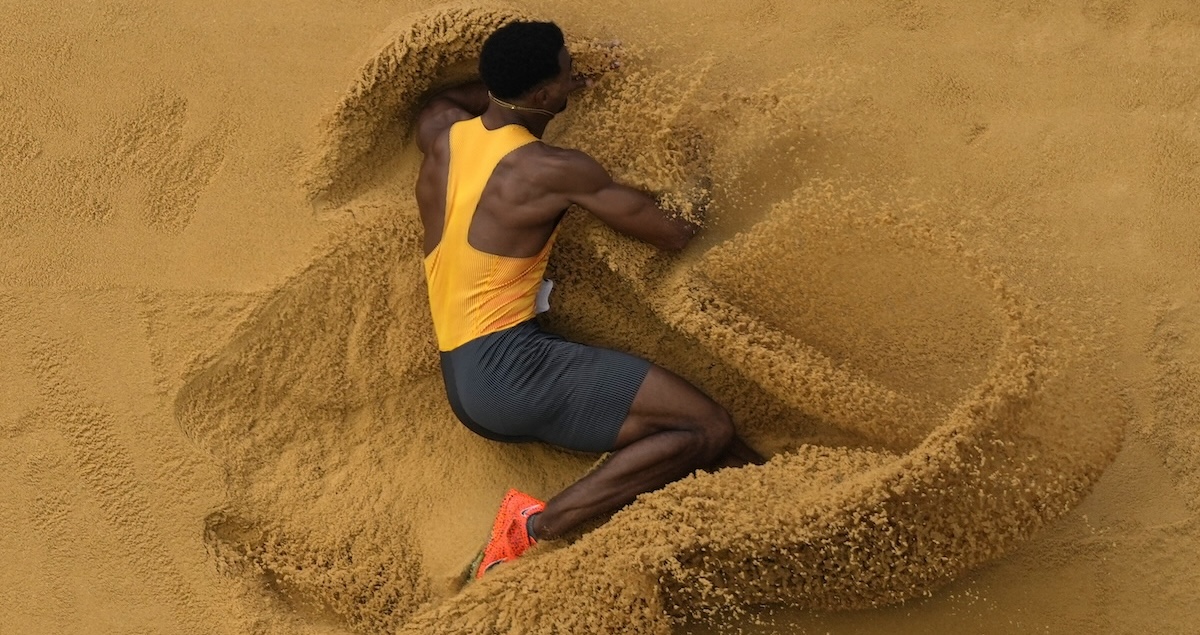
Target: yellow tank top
{"points": [[473, 293]]}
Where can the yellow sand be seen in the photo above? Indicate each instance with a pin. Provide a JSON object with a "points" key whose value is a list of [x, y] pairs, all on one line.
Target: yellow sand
{"points": [[948, 275]]}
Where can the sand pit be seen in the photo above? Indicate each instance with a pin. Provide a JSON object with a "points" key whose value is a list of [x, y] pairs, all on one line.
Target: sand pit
{"points": [[924, 484], [918, 292]]}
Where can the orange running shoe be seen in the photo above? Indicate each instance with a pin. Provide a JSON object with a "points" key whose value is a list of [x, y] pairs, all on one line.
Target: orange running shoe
{"points": [[509, 538]]}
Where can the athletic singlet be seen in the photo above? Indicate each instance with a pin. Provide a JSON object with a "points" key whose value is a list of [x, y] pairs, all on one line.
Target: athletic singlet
{"points": [[474, 293]]}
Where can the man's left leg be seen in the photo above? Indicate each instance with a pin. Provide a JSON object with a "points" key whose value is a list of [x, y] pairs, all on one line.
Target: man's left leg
{"points": [[671, 430]]}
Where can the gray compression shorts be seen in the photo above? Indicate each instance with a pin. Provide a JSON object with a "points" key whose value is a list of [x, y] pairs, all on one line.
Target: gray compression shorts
{"points": [[524, 384]]}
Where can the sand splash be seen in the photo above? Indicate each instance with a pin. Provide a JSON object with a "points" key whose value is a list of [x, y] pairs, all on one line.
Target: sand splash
{"points": [[923, 416]]}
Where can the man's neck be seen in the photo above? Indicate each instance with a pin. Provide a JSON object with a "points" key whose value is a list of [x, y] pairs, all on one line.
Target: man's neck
{"points": [[496, 116]]}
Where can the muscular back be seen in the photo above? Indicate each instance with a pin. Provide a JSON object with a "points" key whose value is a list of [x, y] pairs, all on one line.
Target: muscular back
{"points": [[517, 212], [530, 189]]}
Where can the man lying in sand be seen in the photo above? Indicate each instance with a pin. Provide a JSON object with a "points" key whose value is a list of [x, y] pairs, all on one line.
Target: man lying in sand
{"points": [[491, 196]]}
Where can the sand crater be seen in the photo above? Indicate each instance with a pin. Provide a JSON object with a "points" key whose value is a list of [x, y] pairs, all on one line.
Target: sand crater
{"points": [[912, 441]]}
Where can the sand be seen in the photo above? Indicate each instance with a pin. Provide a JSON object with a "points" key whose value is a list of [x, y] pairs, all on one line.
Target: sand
{"points": [[947, 283]]}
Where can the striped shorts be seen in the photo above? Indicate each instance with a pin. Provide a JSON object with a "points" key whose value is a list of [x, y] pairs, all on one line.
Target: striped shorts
{"points": [[523, 384]]}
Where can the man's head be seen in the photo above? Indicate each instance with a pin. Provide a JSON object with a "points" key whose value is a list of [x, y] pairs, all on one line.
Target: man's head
{"points": [[528, 62]]}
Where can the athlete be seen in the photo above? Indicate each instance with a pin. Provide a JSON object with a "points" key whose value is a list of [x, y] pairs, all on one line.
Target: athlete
{"points": [[491, 195]]}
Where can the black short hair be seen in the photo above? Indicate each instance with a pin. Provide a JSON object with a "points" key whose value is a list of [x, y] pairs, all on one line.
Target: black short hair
{"points": [[519, 56]]}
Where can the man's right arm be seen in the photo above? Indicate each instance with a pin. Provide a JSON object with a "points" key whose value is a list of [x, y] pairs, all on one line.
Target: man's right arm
{"points": [[587, 184]]}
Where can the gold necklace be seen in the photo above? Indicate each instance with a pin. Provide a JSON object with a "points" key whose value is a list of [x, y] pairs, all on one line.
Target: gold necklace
{"points": [[519, 108]]}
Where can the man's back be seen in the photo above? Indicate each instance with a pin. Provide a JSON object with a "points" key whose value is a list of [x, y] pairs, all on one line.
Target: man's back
{"points": [[531, 188], [517, 210], [478, 283]]}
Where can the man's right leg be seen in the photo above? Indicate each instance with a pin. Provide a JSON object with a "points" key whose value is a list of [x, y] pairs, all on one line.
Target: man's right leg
{"points": [[672, 429]]}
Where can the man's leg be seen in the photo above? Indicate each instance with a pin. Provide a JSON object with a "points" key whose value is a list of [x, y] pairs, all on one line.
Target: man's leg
{"points": [[672, 429], [738, 454]]}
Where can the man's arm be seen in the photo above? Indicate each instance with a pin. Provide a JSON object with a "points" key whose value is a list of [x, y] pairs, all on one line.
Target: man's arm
{"points": [[448, 107], [633, 213]]}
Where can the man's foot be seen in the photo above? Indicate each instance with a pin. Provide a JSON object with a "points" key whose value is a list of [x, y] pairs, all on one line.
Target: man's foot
{"points": [[739, 454], [510, 535]]}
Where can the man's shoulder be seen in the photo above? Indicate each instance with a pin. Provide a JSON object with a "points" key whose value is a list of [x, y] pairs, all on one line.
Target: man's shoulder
{"points": [[435, 120], [563, 166]]}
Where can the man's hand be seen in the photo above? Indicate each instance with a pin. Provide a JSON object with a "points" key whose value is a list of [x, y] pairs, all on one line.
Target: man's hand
{"points": [[593, 59], [688, 205], [701, 193]]}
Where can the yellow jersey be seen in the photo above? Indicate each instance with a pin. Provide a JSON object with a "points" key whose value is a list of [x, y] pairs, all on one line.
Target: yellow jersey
{"points": [[474, 293]]}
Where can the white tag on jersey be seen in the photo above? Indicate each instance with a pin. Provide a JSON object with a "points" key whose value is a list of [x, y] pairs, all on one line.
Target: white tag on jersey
{"points": [[542, 303]]}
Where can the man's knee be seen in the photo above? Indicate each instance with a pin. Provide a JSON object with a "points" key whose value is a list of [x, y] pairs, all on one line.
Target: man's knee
{"points": [[717, 431]]}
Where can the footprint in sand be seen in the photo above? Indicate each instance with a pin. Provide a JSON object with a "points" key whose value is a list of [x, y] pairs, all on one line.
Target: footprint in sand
{"points": [[150, 150], [149, 161]]}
